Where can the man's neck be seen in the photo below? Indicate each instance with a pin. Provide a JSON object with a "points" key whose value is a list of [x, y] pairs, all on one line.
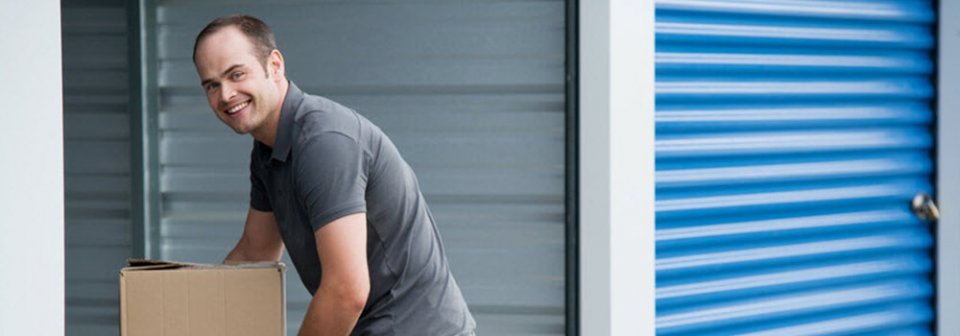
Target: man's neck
{"points": [[267, 133]]}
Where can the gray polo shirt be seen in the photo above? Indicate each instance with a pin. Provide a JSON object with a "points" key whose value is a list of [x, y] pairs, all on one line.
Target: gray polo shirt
{"points": [[329, 162]]}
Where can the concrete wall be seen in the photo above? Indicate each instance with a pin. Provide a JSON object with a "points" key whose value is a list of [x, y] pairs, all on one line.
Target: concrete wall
{"points": [[31, 191]]}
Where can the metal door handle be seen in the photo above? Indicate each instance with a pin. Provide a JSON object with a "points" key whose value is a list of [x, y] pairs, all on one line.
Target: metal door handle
{"points": [[924, 207]]}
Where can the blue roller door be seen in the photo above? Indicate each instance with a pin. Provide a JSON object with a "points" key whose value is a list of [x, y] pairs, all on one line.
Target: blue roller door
{"points": [[791, 136]]}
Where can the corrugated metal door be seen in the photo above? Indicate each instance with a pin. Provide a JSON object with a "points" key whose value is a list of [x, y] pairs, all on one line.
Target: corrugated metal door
{"points": [[96, 128], [472, 92], [791, 136]]}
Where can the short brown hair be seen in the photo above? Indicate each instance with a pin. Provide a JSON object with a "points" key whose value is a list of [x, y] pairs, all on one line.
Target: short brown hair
{"points": [[259, 33]]}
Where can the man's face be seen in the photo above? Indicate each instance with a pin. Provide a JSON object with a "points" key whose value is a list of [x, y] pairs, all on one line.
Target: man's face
{"points": [[241, 93]]}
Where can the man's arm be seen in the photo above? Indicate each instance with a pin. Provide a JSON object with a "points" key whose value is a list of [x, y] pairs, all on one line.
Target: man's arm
{"points": [[260, 240], [345, 283]]}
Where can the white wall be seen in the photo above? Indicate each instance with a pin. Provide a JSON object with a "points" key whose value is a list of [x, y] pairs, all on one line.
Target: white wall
{"points": [[31, 171], [617, 168]]}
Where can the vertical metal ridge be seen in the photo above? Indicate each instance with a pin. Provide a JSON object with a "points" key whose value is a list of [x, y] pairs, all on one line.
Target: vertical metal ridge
{"points": [[572, 169], [150, 106], [138, 191]]}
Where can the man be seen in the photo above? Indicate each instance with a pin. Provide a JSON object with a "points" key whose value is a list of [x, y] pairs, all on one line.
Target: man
{"points": [[331, 187]]}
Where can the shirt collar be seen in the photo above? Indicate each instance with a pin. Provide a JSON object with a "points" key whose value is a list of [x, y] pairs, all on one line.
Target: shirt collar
{"points": [[281, 147]]}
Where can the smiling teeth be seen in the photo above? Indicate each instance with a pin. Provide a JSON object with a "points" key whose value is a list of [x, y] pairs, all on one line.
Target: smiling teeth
{"points": [[237, 108]]}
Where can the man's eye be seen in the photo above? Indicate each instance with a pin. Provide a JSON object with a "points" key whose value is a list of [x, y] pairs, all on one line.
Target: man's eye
{"points": [[211, 87], [237, 75]]}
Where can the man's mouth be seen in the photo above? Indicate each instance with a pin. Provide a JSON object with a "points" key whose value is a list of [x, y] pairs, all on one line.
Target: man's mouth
{"points": [[237, 108]]}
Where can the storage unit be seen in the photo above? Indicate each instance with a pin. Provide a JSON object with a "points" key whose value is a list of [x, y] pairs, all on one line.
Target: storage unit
{"points": [[791, 138], [472, 93]]}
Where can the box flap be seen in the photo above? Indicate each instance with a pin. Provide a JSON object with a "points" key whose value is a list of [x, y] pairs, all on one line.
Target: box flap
{"points": [[136, 264]]}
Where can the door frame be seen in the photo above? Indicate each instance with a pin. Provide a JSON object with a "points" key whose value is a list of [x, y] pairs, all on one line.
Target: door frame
{"points": [[616, 168], [948, 169]]}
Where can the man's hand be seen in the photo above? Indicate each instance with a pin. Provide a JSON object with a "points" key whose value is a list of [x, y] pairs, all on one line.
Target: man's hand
{"points": [[345, 283], [260, 241]]}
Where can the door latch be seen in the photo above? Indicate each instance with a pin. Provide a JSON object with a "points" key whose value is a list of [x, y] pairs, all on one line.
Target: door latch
{"points": [[924, 207]]}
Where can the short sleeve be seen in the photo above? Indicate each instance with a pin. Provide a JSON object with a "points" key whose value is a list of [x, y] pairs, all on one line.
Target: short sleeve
{"points": [[330, 177], [258, 193]]}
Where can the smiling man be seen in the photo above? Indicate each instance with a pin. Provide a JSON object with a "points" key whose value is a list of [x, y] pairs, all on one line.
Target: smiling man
{"points": [[332, 188]]}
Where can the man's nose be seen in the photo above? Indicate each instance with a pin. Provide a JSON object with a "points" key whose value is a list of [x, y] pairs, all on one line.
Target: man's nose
{"points": [[226, 93]]}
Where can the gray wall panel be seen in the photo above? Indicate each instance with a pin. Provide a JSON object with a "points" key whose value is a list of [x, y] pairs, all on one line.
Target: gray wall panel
{"points": [[97, 162]]}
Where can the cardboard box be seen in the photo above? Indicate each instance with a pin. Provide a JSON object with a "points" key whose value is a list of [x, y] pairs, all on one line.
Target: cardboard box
{"points": [[180, 299]]}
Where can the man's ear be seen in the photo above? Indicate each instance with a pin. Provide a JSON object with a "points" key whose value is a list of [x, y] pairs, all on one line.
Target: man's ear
{"points": [[276, 64]]}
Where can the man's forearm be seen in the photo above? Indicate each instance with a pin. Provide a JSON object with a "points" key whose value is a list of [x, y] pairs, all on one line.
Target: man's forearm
{"points": [[235, 255], [332, 313], [246, 252]]}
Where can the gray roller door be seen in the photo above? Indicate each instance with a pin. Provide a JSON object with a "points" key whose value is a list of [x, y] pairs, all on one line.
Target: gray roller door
{"points": [[473, 95], [97, 162]]}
